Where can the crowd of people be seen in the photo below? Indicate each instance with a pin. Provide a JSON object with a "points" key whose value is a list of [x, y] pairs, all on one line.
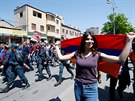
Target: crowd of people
{"points": [[16, 59]]}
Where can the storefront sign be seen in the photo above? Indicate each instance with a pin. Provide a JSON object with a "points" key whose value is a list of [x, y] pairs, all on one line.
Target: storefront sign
{"points": [[36, 35]]}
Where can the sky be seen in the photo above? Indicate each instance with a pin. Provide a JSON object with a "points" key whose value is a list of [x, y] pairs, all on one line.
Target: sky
{"points": [[82, 14]]}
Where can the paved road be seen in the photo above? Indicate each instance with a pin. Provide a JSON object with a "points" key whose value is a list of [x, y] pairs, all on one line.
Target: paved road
{"points": [[45, 90], [39, 91]]}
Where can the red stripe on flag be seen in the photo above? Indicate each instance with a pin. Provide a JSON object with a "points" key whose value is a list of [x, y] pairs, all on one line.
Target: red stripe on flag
{"points": [[71, 42], [111, 41]]}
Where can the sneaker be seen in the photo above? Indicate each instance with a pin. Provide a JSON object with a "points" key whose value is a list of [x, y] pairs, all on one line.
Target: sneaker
{"points": [[50, 77], [58, 83], [32, 69], [38, 79], [26, 86], [27, 69], [4, 80], [72, 77], [5, 90]]}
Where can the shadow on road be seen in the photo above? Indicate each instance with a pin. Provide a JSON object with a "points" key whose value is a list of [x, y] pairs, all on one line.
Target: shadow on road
{"points": [[63, 78], [17, 83], [104, 95], [55, 99]]}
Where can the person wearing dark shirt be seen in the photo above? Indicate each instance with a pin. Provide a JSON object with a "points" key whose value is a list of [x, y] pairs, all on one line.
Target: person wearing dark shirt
{"points": [[15, 68], [87, 58], [42, 62], [62, 64], [4, 61], [26, 53], [124, 81], [132, 58]]}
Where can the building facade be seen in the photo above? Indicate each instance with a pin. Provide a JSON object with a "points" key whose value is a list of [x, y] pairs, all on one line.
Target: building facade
{"points": [[30, 22], [31, 19], [53, 26], [4, 23], [9, 34], [68, 32]]}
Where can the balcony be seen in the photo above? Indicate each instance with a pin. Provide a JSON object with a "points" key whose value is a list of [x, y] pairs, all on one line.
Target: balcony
{"points": [[50, 22]]}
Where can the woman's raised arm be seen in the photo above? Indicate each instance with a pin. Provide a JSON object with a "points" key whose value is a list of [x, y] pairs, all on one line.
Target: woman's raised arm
{"points": [[124, 54], [60, 56]]}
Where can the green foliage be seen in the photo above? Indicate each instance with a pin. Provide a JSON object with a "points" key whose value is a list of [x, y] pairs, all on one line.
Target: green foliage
{"points": [[122, 25]]}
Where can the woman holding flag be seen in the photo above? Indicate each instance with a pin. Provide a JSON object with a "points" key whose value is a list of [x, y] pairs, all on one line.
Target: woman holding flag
{"points": [[87, 59]]}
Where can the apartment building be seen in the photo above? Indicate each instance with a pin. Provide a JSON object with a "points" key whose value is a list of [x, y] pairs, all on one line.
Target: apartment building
{"points": [[31, 20], [53, 26], [68, 32]]}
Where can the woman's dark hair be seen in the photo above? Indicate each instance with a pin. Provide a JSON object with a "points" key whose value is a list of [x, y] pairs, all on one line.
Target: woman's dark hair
{"points": [[81, 48]]}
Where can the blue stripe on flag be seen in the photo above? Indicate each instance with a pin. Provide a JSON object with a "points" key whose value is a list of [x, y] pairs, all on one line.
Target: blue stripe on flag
{"points": [[106, 51]]}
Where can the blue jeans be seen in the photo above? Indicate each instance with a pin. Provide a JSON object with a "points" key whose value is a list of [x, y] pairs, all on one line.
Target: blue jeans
{"points": [[61, 68], [85, 92], [48, 69]]}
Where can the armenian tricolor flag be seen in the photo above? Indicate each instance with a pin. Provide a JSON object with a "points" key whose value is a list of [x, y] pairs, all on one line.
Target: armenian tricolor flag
{"points": [[109, 44]]}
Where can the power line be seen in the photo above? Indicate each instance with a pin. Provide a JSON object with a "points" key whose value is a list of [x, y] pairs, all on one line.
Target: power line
{"points": [[116, 6], [113, 6]]}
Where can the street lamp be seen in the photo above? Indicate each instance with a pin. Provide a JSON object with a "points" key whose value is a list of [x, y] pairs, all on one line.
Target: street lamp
{"points": [[111, 2]]}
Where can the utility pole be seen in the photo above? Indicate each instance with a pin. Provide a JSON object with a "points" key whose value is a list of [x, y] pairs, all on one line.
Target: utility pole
{"points": [[113, 6]]}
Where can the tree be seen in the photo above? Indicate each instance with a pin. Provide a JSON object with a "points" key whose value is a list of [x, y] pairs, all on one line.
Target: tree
{"points": [[122, 25]]}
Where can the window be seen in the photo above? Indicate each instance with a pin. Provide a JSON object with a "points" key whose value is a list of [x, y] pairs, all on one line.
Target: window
{"points": [[76, 34], [52, 18], [37, 14], [41, 28], [57, 31], [33, 26], [66, 31], [34, 13], [47, 17], [51, 28], [57, 21], [21, 14], [70, 33], [63, 30]]}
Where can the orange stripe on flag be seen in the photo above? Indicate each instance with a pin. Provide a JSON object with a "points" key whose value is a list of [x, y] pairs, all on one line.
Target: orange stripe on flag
{"points": [[109, 68]]}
